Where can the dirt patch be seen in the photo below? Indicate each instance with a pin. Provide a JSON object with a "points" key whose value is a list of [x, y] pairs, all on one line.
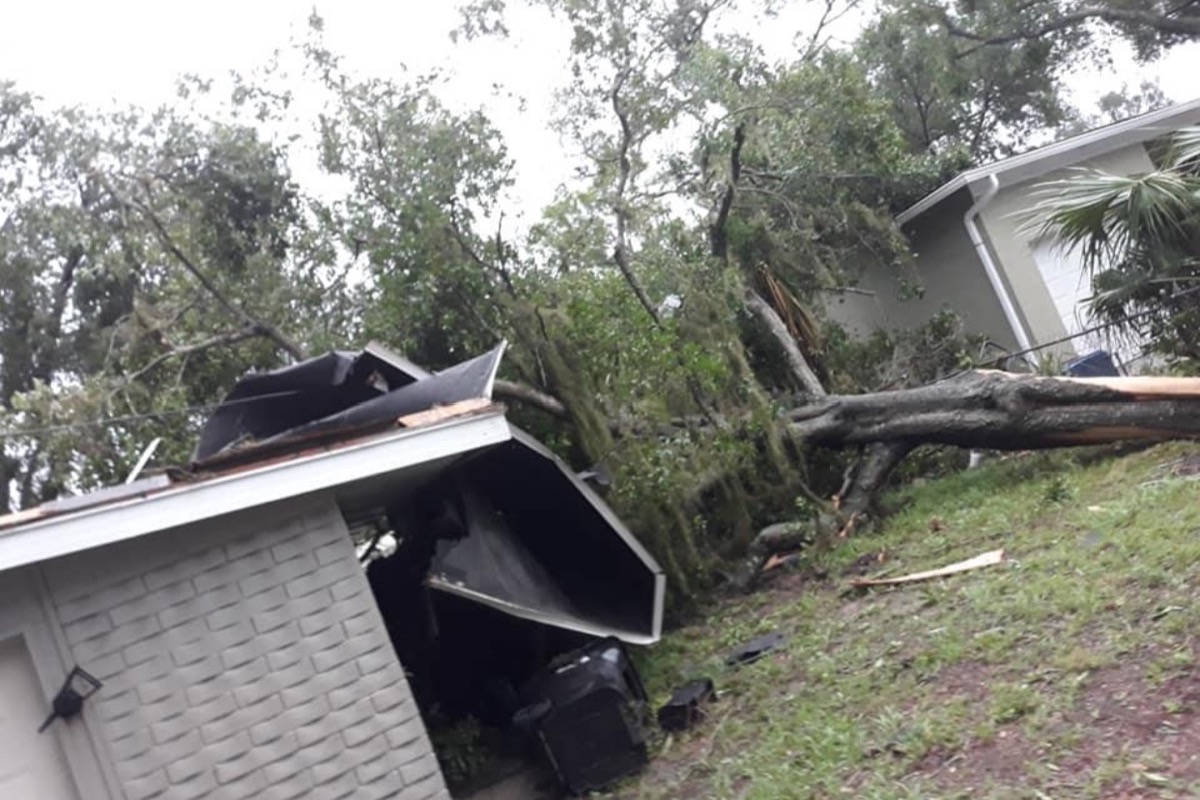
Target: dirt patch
{"points": [[1003, 759], [966, 680], [683, 769], [1157, 723], [1149, 730], [1188, 465]]}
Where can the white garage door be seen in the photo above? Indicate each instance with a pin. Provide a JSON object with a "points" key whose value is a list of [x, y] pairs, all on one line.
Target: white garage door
{"points": [[1070, 286], [31, 764]]}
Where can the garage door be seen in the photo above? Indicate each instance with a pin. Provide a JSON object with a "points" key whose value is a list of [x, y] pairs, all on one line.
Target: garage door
{"points": [[31, 764]]}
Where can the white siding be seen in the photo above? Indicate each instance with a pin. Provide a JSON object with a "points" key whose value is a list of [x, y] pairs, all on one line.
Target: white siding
{"points": [[244, 657], [1070, 287], [32, 764]]}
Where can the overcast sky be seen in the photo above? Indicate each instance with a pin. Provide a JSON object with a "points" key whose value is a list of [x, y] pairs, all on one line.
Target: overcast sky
{"points": [[97, 51]]}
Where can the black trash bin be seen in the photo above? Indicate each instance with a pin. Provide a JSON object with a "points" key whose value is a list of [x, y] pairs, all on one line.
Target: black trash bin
{"points": [[587, 711]]}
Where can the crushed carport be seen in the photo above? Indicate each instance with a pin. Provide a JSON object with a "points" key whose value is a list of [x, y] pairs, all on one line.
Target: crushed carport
{"points": [[502, 560]]}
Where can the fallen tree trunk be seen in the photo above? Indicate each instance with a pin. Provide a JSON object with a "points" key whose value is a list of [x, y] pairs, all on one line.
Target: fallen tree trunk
{"points": [[1003, 411], [868, 478], [979, 409]]}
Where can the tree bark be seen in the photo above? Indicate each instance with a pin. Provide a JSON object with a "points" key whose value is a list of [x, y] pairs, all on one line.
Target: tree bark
{"points": [[530, 396], [1001, 411], [979, 409], [795, 358], [869, 477]]}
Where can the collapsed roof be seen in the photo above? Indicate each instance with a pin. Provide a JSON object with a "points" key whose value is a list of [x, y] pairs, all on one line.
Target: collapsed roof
{"points": [[531, 540]]}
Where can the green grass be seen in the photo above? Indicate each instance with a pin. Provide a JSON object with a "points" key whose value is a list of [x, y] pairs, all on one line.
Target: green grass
{"points": [[992, 684]]}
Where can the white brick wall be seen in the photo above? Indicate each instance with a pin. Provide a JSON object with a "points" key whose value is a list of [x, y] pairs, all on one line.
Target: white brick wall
{"points": [[244, 657]]}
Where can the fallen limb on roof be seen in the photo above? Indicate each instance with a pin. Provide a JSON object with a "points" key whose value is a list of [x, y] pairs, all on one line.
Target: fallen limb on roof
{"points": [[988, 559]]}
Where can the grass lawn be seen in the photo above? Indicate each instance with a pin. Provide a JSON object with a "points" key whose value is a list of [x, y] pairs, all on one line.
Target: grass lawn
{"points": [[1067, 672]]}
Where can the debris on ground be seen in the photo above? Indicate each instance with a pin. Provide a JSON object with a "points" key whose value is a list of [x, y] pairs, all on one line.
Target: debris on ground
{"points": [[867, 562], [754, 649], [988, 559], [687, 705]]}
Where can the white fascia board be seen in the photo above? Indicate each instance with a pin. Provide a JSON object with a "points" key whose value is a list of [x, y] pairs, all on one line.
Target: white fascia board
{"points": [[932, 199], [107, 524], [557, 620], [1092, 144], [614, 522]]}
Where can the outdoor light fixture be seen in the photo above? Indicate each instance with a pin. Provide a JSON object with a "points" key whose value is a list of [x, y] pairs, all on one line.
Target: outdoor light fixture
{"points": [[78, 686]]}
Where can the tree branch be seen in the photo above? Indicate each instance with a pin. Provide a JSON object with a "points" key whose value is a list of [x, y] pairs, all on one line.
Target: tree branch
{"points": [[761, 309], [625, 165], [1186, 26], [530, 396], [282, 340], [487, 266], [221, 339], [718, 233], [1001, 411]]}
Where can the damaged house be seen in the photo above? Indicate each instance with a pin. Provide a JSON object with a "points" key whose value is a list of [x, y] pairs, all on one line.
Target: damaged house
{"points": [[212, 631]]}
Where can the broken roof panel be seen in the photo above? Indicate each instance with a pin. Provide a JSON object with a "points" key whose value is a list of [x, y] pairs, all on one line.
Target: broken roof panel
{"points": [[542, 546], [336, 392], [605, 582], [539, 543]]}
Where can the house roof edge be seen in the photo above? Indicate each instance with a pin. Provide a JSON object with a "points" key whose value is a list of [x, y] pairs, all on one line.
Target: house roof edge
{"points": [[1063, 153]]}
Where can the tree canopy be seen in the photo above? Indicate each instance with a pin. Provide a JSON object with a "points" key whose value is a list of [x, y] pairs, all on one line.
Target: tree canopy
{"points": [[662, 310]]}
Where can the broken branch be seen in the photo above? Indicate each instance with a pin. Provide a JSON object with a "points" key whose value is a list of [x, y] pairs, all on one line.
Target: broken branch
{"points": [[988, 559], [232, 337], [798, 364], [1002, 411], [530, 396]]}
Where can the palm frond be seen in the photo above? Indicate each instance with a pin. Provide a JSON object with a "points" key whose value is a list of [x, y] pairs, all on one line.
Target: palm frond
{"points": [[1105, 216], [1185, 147]]}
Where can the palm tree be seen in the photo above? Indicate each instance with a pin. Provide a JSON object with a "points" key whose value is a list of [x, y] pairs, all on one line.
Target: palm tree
{"points": [[1139, 238]]}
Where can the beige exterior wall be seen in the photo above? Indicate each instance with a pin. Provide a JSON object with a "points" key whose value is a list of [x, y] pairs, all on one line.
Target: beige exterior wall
{"points": [[949, 272], [1003, 220], [26, 623], [243, 657]]}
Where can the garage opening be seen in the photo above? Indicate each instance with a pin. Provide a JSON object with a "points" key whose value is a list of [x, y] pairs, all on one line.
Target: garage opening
{"points": [[481, 611]]}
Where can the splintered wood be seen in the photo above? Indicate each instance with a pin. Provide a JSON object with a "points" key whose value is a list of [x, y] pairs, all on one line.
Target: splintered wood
{"points": [[440, 413], [989, 559]]}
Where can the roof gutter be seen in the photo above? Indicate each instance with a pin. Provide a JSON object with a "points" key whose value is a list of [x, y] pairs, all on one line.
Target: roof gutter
{"points": [[184, 503], [1007, 303]]}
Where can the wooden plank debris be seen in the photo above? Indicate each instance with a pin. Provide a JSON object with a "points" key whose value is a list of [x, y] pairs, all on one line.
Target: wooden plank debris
{"points": [[988, 559], [440, 413]]}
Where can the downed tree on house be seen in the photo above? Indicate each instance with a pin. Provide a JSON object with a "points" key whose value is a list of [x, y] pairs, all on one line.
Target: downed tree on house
{"points": [[1002, 411], [980, 409]]}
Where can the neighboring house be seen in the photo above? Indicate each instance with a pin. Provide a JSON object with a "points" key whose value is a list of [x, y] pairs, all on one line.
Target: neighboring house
{"points": [[240, 649], [976, 256]]}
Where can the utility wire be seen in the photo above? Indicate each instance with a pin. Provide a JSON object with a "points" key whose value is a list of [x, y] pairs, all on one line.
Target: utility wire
{"points": [[1088, 331]]}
